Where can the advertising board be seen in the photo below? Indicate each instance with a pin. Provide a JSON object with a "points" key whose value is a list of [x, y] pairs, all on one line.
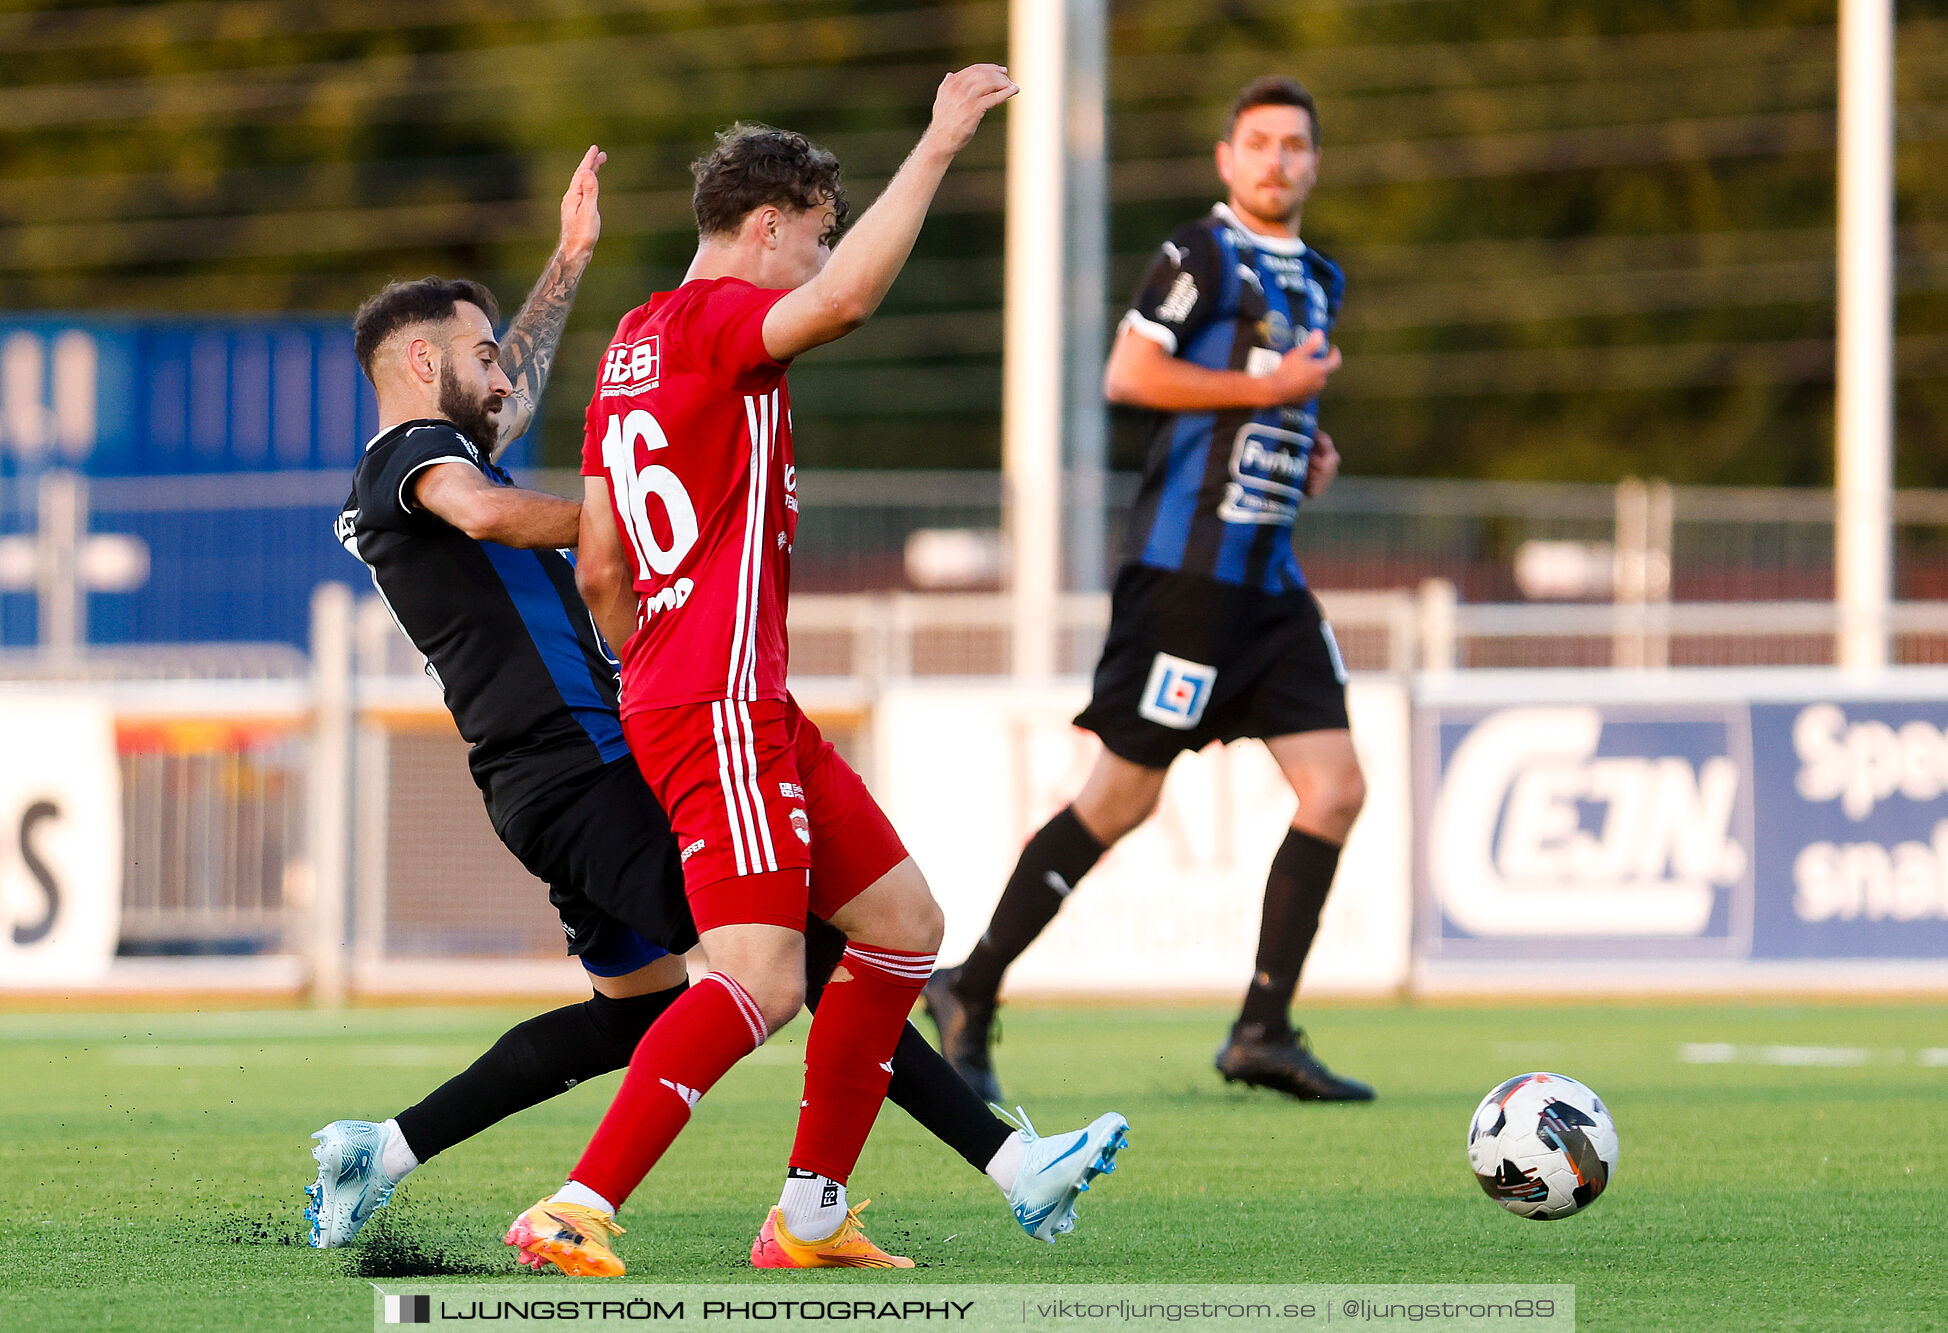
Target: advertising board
{"points": [[968, 772], [1854, 839], [60, 840], [1746, 816]]}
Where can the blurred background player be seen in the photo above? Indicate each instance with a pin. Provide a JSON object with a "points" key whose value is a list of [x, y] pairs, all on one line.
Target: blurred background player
{"points": [[1213, 634], [688, 519], [468, 563]]}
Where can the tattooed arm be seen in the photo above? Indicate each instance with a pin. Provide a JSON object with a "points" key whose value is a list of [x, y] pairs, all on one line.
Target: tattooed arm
{"points": [[528, 347]]}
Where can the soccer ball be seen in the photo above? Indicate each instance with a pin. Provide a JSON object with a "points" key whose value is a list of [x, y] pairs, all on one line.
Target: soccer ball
{"points": [[1542, 1146]]}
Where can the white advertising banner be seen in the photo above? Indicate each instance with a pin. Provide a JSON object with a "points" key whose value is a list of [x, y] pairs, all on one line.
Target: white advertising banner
{"points": [[60, 840], [968, 772]]}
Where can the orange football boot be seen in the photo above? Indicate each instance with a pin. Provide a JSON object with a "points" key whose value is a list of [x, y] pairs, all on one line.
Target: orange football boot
{"points": [[571, 1236], [847, 1247]]}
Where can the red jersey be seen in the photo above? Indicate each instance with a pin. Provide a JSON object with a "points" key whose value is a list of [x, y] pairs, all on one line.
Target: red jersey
{"points": [[691, 426]]}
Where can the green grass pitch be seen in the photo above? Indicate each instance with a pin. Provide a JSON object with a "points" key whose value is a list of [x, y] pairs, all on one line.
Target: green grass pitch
{"points": [[151, 1164]]}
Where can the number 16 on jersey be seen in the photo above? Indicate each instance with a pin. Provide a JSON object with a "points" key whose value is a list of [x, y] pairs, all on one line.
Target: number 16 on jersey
{"points": [[634, 486]]}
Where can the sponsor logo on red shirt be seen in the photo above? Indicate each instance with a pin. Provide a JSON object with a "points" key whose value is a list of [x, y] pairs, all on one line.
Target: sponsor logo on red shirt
{"points": [[632, 367]]}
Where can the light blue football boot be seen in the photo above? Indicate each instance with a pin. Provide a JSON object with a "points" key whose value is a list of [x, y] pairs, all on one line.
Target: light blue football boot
{"points": [[1055, 1171], [351, 1184]]}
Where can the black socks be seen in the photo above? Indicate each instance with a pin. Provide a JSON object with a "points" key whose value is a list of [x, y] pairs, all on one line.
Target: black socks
{"points": [[1052, 863], [926, 1087], [532, 1062], [1295, 892]]}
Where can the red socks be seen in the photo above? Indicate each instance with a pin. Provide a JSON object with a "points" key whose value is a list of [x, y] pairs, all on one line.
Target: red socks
{"points": [[848, 1061], [849, 1055], [691, 1045]]}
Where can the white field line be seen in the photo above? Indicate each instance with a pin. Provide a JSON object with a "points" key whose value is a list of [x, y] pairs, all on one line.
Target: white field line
{"points": [[245, 1025], [1826, 1057], [244, 1056]]}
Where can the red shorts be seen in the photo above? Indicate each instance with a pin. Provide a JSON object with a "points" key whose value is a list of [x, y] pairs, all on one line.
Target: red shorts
{"points": [[770, 822]]}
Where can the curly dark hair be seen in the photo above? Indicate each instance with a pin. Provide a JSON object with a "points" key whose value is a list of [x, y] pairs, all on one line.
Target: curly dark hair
{"points": [[1272, 90], [753, 166], [400, 304]]}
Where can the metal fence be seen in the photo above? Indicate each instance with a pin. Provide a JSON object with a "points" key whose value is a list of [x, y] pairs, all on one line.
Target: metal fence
{"points": [[234, 557], [213, 831], [1374, 534], [873, 638]]}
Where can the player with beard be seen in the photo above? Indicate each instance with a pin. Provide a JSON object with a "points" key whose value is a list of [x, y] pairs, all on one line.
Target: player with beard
{"points": [[469, 565], [471, 569], [1213, 634]]}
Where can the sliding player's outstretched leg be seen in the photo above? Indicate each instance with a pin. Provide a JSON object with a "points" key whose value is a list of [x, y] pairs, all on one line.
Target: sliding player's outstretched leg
{"points": [[360, 1163], [1054, 1172], [351, 1184]]}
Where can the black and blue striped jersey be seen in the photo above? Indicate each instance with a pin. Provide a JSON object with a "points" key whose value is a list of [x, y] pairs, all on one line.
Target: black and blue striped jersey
{"points": [[1220, 489], [528, 679]]}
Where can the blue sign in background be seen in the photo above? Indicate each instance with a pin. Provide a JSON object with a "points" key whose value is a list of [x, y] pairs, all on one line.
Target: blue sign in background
{"points": [[1860, 892], [177, 396], [270, 414], [1843, 805]]}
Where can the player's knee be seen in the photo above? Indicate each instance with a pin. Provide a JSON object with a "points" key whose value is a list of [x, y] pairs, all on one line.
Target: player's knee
{"points": [[897, 911], [778, 997], [1339, 801], [1352, 794], [1110, 821], [929, 925], [913, 923]]}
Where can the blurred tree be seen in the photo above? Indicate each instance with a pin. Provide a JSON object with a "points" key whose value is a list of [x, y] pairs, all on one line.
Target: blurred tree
{"points": [[1583, 241]]}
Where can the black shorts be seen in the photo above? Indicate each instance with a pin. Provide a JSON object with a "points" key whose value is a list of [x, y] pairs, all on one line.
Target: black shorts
{"points": [[603, 846], [1190, 660]]}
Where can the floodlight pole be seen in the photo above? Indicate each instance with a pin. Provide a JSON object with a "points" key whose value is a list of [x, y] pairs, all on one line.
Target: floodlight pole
{"points": [[1864, 398], [1032, 361], [1087, 195]]}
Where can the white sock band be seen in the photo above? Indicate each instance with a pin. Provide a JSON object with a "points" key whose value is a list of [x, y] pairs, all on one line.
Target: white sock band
{"points": [[1005, 1165], [576, 1192], [396, 1157], [813, 1205]]}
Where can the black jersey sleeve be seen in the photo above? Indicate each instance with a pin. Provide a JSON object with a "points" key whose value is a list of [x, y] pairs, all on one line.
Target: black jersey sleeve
{"points": [[1179, 292], [387, 475]]}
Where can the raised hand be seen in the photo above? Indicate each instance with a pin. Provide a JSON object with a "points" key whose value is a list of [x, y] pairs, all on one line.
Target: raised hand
{"points": [[528, 346], [964, 97], [581, 219]]}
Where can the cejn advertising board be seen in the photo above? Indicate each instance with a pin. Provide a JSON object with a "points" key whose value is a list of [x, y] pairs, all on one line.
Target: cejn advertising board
{"points": [[1748, 817]]}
